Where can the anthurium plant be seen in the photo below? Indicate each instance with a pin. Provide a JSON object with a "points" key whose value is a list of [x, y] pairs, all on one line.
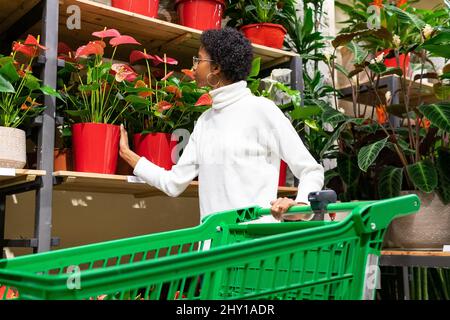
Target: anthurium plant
{"points": [[20, 90], [97, 86], [162, 100]]}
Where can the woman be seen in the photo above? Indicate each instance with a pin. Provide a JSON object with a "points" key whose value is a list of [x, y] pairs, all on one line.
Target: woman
{"points": [[236, 146]]}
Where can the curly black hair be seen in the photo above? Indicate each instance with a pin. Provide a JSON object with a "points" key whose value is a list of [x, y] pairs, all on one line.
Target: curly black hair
{"points": [[231, 50]]}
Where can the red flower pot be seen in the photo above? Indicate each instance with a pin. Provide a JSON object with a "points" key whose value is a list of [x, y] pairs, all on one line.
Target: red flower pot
{"points": [[155, 147], [282, 178], [145, 7], [95, 147], [266, 34], [392, 62], [200, 14]]}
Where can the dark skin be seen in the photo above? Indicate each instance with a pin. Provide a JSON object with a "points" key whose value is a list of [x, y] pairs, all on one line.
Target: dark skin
{"points": [[208, 73]]}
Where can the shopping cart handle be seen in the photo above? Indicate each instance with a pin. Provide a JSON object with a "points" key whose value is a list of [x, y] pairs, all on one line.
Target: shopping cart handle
{"points": [[319, 200]]}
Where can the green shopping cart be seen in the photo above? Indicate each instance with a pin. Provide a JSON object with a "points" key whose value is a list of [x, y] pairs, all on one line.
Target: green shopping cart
{"points": [[221, 259]]}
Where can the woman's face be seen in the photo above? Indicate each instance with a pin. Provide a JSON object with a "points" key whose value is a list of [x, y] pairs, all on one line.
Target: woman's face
{"points": [[203, 68]]}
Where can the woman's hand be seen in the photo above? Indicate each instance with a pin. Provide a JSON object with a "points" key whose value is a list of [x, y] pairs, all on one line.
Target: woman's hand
{"points": [[281, 206], [124, 149]]}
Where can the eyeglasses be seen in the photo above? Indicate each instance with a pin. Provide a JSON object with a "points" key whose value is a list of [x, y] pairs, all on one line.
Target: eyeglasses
{"points": [[196, 61]]}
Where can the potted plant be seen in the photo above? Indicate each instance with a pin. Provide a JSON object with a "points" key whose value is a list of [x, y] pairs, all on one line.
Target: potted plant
{"points": [[147, 8], [409, 158], [161, 103], [261, 21], [95, 102], [200, 14], [20, 94]]}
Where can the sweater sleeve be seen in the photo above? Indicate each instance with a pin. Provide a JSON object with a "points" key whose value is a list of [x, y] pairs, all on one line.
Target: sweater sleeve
{"points": [[298, 158], [172, 182]]}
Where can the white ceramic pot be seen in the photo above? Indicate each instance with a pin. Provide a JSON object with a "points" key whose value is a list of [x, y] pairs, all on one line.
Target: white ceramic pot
{"points": [[427, 229], [12, 148]]}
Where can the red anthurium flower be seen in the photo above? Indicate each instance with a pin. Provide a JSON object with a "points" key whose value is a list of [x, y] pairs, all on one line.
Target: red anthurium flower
{"points": [[204, 100], [137, 55], [425, 123], [163, 105], [123, 72], [401, 2], [189, 73], [117, 41], [381, 114], [142, 84], [107, 33], [378, 3], [93, 47], [32, 41], [63, 48], [29, 51], [167, 76], [166, 60], [10, 293], [175, 90]]}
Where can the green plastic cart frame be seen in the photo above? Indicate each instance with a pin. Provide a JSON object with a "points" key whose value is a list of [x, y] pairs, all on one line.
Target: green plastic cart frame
{"points": [[222, 258]]}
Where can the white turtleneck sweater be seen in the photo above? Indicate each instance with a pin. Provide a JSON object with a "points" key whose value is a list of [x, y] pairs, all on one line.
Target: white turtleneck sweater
{"points": [[235, 150]]}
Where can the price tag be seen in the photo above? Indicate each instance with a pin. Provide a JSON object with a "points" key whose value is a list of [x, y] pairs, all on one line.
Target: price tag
{"points": [[446, 248], [134, 179], [9, 172]]}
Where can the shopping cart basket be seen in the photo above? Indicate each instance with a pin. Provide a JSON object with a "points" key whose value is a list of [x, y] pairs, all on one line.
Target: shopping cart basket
{"points": [[221, 259]]}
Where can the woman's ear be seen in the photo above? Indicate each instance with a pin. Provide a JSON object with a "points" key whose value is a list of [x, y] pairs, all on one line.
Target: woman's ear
{"points": [[215, 68]]}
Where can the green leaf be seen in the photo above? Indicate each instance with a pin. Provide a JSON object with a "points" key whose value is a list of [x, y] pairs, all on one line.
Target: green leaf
{"points": [[378, 68], [302, 113], [77, 113], [6, 86], [438, 114], [137, 100], [423, 175], [390, 182], [443, 168], [32, 83], [348, 170], [89, 87], [50, 92], [256, 66], [368, 154], [312, 124], [391, 71], [332, 116], [437, 50], [360, 54], [407, 17], [9, 72]]}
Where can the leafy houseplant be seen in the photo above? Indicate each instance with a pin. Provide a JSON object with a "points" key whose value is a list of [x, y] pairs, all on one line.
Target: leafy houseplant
{"points": [[377, 159], [261, 21], [95, 101], [160, 106], [20, 93]]}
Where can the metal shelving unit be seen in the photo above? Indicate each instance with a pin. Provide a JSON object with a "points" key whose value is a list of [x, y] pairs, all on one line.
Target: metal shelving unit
{"points": [[48, 18]]}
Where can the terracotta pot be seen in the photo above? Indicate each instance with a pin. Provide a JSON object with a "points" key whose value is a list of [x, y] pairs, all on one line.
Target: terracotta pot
{"points": [[200, 14], [156, 147], [62, 160], [95, 147], [427, 229], [12, 148], [266, 34]]}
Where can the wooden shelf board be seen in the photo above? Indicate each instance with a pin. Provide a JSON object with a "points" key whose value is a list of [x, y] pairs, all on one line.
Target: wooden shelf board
{"points": [[20, 176], [106, 183], [417, 253], [369, 98], [156, 35]]}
